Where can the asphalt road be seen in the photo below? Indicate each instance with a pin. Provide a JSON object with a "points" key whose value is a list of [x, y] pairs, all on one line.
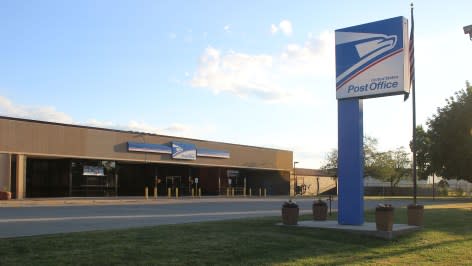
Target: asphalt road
{"points": [[29, 218]]}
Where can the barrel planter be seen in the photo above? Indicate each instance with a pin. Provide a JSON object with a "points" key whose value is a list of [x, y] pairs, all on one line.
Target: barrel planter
{"points": [[320, 210], [384, 217], [415, 214], [290, 213], [5, 195]]}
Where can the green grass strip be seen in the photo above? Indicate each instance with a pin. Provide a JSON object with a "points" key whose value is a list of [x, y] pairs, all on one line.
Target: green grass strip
{"points": [[445, 240]]}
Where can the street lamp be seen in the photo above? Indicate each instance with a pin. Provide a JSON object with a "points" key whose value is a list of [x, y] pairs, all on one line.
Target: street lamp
{"points": [[295, 179], [468, 30]]}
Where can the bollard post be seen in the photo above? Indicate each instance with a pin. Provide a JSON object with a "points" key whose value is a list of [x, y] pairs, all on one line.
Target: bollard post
{"points": [[227, 192], [265, 192], [330, 205], [155, 192], [250, 192], [169, 192], [260, 192], [244, 191], [176, 192], [146, 192], [200, 192], [232, 191], [193, 192]]}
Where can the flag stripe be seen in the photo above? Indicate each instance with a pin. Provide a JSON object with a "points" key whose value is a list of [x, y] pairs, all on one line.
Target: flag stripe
{"points": [[412, 49]]}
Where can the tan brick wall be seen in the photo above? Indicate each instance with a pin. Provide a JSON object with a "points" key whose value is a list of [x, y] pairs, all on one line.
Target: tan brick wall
{"points": [[5, 171], [55, 140]]}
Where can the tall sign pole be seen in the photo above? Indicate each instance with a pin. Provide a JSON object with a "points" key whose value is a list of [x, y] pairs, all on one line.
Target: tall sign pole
{"points": [[350, 162], [413, 98], [371, 61]]}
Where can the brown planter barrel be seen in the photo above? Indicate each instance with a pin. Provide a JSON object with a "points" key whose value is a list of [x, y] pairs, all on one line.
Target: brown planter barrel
{"points": [[290, 215], [5, 195], [384, 218], [415, 214], [320, 211]]}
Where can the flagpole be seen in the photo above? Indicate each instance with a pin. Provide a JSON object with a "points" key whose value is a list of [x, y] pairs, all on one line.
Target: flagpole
{"points": [[413, 98]]}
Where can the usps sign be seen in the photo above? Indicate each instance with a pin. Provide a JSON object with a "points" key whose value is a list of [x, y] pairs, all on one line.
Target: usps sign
{"points": [[372, 59], [184, 151]]}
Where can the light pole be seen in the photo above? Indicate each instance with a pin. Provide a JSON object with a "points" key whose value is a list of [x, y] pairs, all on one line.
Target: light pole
{"points": [[295, 179], [468, 30]]}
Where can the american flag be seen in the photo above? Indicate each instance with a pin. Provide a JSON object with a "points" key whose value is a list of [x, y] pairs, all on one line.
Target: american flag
{"points": [[412, 49], [411, 53]]}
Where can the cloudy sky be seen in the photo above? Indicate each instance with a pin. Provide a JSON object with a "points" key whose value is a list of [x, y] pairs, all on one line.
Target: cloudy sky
{"points": [[249, 72]]}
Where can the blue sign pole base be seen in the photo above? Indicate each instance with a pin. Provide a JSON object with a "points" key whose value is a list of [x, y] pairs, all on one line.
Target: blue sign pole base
{"points": [[350, 162]]}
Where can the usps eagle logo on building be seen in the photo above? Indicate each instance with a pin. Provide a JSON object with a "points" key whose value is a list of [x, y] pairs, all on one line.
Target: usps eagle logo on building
{"points": [[372, 59], [184, 151]]}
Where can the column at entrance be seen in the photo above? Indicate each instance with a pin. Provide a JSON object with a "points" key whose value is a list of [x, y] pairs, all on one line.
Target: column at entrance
{"points": [[20, 176], [5, 171]]}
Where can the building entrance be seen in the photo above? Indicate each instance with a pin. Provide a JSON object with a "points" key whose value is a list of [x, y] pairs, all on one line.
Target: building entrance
{"points": [[172, 183]]}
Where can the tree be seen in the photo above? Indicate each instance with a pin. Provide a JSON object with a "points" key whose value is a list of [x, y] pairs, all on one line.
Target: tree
{"points": [[370, 150], [450, 133], [391, 166], [401, 165], [331, 162], [370, 155], [423, 156]]}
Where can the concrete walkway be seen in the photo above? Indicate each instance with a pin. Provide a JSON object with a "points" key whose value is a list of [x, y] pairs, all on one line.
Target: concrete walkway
{"points": [[365, 229]]}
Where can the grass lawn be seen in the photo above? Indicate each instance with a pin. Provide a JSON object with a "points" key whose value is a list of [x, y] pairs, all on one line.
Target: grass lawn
{"points": [[445, 240]]}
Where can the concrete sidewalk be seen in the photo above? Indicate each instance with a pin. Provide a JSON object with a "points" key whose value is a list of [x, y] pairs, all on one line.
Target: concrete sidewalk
{"points": [[93, 201], [365, 229]]}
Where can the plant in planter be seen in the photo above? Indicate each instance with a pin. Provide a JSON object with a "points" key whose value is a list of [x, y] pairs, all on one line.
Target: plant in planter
{"points": [[5, 194], [320, 210], [415, 214], [384, 217], [290, 213]]}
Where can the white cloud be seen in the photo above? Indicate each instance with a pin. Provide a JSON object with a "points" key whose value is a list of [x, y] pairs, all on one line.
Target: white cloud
{"points": [[286, 27], [314, 57], [271, 78], [50, 114], [141, 127], [45, 113], [174, 129], [241, 74], [96, 123], [227, 28]]}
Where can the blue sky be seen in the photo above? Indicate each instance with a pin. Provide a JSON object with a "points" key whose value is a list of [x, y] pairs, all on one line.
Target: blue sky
{"points": [[248, 72]]}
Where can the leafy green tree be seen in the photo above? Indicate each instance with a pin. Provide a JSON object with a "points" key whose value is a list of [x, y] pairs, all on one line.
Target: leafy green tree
{"points": [[423, 155], [370, 148], [391, 166], [370, 155], [382, 166], [331, 162], [450, 133], [401, 165]]}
